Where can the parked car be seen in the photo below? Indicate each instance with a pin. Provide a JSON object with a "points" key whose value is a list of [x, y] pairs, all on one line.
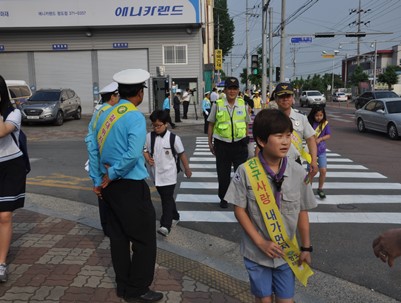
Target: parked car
{"points": [[340, 97], [312, 97], [378, 94], [52, 105], [383, 115], [19, 91]]}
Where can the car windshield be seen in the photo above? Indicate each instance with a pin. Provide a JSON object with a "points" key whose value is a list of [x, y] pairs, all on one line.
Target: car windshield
{"points": [[380, 95], [394, 107], [45, 96], [314, 94]]}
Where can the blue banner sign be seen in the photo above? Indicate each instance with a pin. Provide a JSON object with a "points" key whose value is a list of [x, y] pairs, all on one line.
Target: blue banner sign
{"points": [[120, 45], [1, 48], [60, 46], [301, 40]]}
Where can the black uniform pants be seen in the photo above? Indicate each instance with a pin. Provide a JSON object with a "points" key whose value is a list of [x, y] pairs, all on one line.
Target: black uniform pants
{"points": [[228, 155], [206, 125], [169, 208], [169, 118], [103, 211], [131, 219], [185, 105], [177, 113]]}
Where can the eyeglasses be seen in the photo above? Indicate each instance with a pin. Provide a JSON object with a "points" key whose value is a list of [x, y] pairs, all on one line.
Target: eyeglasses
{"points": [[157, 125]]}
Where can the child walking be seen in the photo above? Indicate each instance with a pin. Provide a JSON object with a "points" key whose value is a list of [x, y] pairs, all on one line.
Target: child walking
{"points": [[317, 118], [271, 203], [161, 157]]}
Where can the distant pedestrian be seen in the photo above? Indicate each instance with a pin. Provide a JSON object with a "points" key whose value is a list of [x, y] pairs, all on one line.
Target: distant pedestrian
{"points": [[251, 143], [271, 204], [227, 134], [284, 94], [119, 178], [257, 103], [12, 173], [214, 95], [186, 98], [318, 119], [166, 108], [110, 97], [162, 160], [176, 105], [206, 105]]}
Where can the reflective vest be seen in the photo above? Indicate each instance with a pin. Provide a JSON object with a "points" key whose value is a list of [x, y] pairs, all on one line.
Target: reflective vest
{"points": [[230, 127]]}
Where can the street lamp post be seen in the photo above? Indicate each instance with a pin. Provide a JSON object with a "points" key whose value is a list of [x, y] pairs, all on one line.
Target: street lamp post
{"points": [[374, 44], [325, 55]]}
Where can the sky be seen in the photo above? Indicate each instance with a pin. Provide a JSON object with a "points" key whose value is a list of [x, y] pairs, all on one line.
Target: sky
{"points": [[322, 16]]}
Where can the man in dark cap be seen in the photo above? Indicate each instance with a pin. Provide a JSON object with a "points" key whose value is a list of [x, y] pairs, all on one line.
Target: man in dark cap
{"points": [[284, 95], [119, 178], [227, 134]]}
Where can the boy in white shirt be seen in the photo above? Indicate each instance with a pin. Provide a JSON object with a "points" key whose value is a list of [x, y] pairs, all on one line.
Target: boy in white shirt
{"points": [[161, 158]]}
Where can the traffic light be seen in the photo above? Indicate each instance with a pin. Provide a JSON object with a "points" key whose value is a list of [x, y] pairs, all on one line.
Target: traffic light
{"points": [[278, 74], [255, 64], [355, 34], [325, 35]]}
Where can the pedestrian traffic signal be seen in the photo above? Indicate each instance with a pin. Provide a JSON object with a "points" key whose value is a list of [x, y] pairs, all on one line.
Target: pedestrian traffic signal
{"points": [[255, 64], [278, 74]]}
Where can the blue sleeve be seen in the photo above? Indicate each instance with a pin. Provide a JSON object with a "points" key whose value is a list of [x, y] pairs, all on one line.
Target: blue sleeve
{"points": [[94, 158], [136, 141]]}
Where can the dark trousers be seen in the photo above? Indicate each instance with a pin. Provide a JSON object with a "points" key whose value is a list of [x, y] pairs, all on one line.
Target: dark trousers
{"points": [[185, 105], [169, 208], [103, 210], [169, 118], [177, 114], [131, 220], [206, 126], [228, 155]]}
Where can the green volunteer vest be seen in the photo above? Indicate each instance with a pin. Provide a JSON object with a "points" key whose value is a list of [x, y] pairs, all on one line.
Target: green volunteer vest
{"points": [[230, 127]]}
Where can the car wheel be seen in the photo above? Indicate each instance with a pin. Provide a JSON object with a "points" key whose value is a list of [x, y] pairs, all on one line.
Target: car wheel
{"points": [[300, 103], [392, 132], [361, 125], [59, 119], [78, 114]]}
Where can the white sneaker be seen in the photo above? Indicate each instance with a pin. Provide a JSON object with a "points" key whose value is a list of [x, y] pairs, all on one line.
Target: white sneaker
{"points": [[163, 231], [3, 272], [174, 223]]}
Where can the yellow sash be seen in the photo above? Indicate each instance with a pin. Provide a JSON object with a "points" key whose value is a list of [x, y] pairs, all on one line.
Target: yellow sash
{"points": [[98, 113], [297, 142], [114, 115], [319, 129], [273, 221]]}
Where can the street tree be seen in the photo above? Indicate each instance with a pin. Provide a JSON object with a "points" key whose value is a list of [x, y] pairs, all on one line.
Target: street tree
{"points": [[358, 76], [390, 76], [223, 27]]}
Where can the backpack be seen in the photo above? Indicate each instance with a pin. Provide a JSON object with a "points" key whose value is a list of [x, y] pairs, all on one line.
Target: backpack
{"points": [[172, 140], [22, 143]]}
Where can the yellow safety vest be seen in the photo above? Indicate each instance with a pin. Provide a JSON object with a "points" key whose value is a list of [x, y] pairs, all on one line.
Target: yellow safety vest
{"points": [[230, 127], [273, 220]]}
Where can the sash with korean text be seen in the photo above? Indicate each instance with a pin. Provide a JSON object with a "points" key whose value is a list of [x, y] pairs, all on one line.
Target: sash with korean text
{"points": [[273, 220], [297, 142], [111, 119], [320, 129]]}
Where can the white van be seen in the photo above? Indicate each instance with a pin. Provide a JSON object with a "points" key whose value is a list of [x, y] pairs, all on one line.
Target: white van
{"points": [[19, 91]]}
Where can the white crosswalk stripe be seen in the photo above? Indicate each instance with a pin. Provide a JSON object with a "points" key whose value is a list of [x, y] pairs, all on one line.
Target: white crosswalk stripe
{"points": [[343, 178]]}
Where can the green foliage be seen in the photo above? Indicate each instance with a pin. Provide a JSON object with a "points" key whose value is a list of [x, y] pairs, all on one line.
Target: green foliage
{"points": [[390, 76], [223, 27], [358, 76]]}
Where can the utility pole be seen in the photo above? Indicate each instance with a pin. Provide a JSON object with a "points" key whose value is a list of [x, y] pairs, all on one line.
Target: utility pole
{"points": [[248, 62], [358, 23], [294, 50], [265, 4], [270, 51], [282, 42]]}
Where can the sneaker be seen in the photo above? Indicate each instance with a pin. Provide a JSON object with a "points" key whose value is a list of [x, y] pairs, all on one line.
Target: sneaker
{"points": [[163, 231], [175, 222], [150, 296], [3, 272], [321, 194]]}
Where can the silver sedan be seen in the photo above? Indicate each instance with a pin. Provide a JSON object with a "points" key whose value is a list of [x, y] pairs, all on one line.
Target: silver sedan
{"points": [[383, 115]]}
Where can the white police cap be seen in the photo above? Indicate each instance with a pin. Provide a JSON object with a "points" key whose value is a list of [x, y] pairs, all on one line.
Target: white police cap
{"points": [[207, 93], [131, 76], [110, 88]]}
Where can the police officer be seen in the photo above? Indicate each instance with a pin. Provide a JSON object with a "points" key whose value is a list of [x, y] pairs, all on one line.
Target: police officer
{"points": [[120, 180], [227, 134], [110, 97]]}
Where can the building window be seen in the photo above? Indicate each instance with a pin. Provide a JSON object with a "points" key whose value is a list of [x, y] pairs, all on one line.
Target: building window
{"points": [[174, 54]]}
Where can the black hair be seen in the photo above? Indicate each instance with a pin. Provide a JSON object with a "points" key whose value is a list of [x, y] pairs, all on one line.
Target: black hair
{"points": [[315, 109], [4, 97], [129, 90], [106, 97], [160, 115], [268, 122]]}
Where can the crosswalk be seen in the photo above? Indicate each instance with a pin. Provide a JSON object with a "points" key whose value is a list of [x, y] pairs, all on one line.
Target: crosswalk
{"points": [[347, 185]]}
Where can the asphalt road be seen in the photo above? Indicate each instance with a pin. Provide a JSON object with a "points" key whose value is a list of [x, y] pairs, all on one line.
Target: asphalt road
{"points": [[342, 249]]}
